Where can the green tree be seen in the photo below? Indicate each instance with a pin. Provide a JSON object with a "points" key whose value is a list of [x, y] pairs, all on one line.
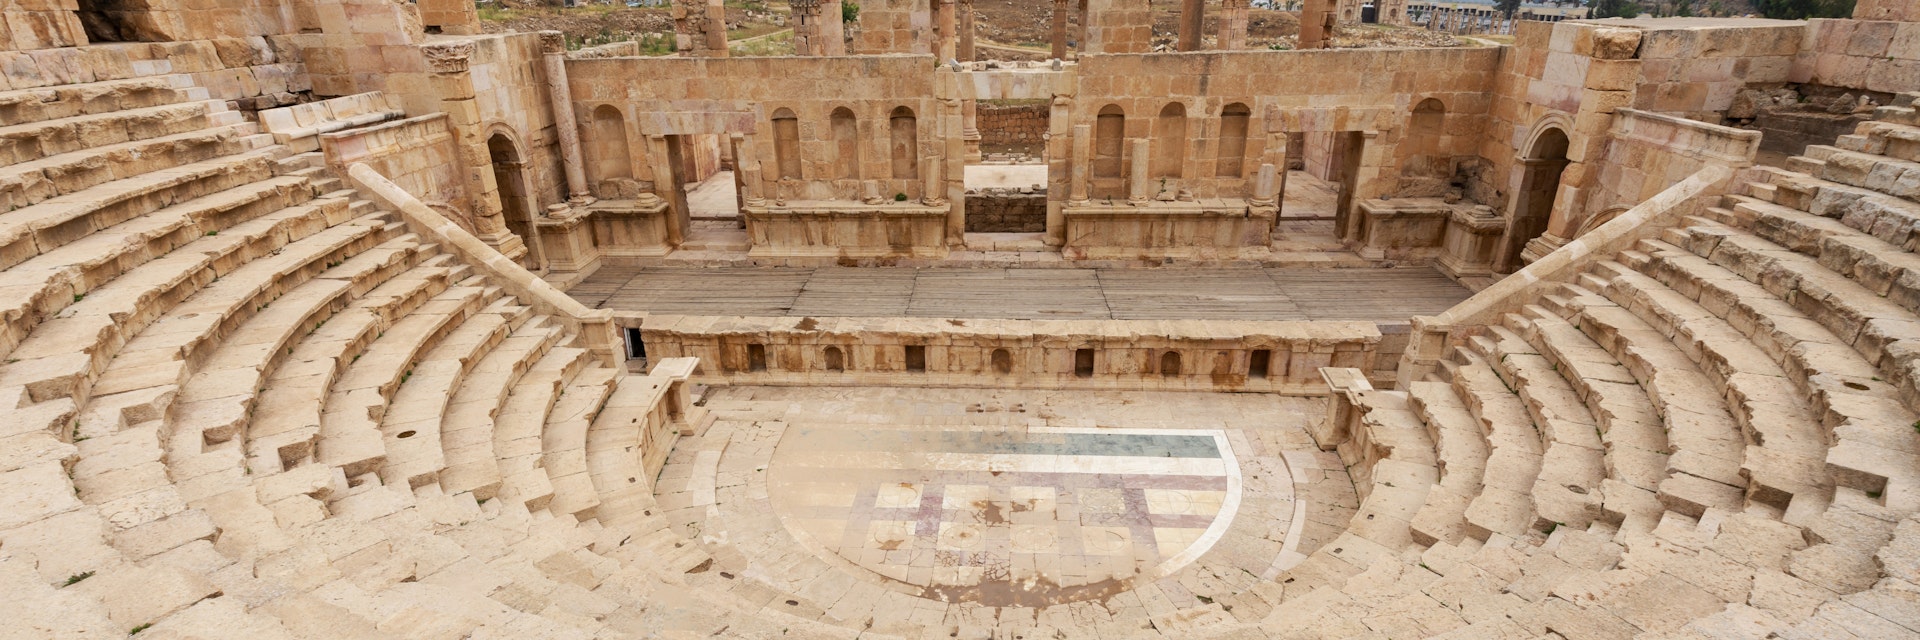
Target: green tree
{"points": [[1803, 9], [1507, 7], [849, 12]]}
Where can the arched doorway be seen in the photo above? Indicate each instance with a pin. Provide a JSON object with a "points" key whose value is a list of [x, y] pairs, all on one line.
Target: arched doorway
{"points": [[1540, 169], [516, 199]]}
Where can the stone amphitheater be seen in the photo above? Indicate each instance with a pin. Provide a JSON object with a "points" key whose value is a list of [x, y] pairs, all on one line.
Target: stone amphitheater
{"points": [[341, 319]]}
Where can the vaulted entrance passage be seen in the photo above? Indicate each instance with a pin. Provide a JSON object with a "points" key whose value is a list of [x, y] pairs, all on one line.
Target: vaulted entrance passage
{"points": [[516, 202], [1533, 203], [994, 498]]}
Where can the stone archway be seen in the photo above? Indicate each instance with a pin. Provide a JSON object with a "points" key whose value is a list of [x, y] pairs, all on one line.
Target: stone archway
{"points": [[514, 188], [1539, 169]]}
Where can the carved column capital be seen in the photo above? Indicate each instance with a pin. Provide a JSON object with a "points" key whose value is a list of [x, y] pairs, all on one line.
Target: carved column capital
{"points": [[448, 57], [552, 42]]}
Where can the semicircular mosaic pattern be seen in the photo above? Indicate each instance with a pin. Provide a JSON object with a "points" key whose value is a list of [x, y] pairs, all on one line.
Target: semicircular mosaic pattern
{"points": [[1007, 516]]}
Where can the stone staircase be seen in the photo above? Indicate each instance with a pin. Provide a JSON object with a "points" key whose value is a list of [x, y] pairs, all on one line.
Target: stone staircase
{"points": [[1710, 434], [243, 401]]}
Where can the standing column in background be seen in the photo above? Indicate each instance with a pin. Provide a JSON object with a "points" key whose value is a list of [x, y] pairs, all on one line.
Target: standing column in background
{"points": [[1192, 14], [1060, 29], [554, 48], [966, 42], [717, 27], [943, 20], [1233, 25]]}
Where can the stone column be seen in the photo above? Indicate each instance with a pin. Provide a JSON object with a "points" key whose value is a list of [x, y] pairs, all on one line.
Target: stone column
{"points": [[1060, 29], [948, 179], [944, 21], [679, 220], [1266, 187], [1233, 25], [554, 49], [1080, 30], [1082, 165], [453, 83], [1139, 191], [1192, 14], [966, 41], [970, 127], [1314, 19]]}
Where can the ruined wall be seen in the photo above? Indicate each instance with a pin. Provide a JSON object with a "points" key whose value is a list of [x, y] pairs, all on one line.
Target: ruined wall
{"points": [[1572, 77], [694, 96], [1648, 152], [1283, 92], [256, 72], [894, 26], [1003, 125], [510, 91], [1873, 55], [1006, 211], [419, 154]]}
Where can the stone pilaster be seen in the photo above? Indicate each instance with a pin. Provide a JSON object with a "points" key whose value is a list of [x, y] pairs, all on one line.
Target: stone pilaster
{"points": [[554, 49], [453, 83]]}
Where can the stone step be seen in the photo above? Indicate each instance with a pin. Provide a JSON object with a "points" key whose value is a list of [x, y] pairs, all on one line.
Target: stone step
{"points": [[67, 354], [166, 247], [52, 223], [1705, 446], [1630, 431], [27, 142], [1891, 176], [1461, 460], [628, 442], [228, 409], [1879, 328], [177, 344], [517, 429], [412, 424], [21, 106], [28, 183], [1784, 445], [467, 434], [1505, 504], [564, 441], [1891, 139], [1571, 462], [285, 417], [350, 437]]}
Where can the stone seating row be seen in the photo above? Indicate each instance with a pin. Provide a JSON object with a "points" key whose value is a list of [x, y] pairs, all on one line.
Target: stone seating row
{"points": [[299, 126]]}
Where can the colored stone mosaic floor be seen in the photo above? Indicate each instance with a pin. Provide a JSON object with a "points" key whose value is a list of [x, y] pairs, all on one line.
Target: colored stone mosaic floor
{"points": [[1005, 499]]}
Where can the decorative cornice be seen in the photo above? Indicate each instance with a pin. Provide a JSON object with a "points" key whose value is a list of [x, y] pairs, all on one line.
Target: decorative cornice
{"points": [[448, 57]]}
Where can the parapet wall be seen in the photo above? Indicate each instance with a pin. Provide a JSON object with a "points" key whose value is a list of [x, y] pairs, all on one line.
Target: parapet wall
{"points": [[1273, 357]]}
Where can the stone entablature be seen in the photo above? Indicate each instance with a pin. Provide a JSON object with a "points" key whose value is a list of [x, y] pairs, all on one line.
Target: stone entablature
{"points": [[1272, 357]]}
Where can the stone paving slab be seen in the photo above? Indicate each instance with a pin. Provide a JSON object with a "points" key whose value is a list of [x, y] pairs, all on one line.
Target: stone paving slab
{"points": [[1380, 295]]}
